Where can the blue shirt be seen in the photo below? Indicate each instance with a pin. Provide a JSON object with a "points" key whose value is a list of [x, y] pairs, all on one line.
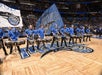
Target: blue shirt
{"points": [[41, 33], [82, 31], [1, 33], [71, 31], [35, 32], [87, 30], [78, 30], [63, 31], [30, 33], [54, 31], [13, 34]]}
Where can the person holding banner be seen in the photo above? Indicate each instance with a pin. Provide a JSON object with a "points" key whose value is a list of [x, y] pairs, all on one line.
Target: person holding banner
{"points": [[1, 41], [55, 34], [13, 35]]}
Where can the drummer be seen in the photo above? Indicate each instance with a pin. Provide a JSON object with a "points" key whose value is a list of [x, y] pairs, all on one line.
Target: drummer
{"points": [[55, 32], [88, 33], [1, 41], [72, 34], [63, 32], [30, 36], [41, 35], [78, 33], [13, 35], [83, 32]]}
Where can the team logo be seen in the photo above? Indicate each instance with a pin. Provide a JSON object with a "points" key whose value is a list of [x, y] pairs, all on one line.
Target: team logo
{"points": [[12, 19]]}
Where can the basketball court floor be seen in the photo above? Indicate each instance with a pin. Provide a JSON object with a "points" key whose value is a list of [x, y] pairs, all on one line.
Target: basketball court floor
{"points": [[58, 63]]}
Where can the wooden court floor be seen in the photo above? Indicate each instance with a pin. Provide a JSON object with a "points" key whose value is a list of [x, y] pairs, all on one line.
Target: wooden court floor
{"points": [[59, 63]]}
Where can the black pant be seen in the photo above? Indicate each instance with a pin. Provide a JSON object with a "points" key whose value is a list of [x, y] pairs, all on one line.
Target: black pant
{"points": [[11, 49], [63, 39], [1, 40], [71, 39], [84, 38], [28, 43], [38, 44], [54, 39], [100, 34], [79, 39], [88, 37]]}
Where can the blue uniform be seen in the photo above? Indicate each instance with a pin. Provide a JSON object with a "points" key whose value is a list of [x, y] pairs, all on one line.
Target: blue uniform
{"points": [[1, 33], [35, 32], [41, 33], [13, 34], [87, 30], [29, 32], [82, 31], [63, 31], [78, 31], [54, 31], [68, 30], [71, 31]]}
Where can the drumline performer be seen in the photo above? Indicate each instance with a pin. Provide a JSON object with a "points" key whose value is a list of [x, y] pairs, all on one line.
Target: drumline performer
{"points": [[41, 35], [13, 35], [78, 34], [30, 37], [63, 32], [72, 35], [55, 34], [83, 33], [1, 41], [88, 33]]}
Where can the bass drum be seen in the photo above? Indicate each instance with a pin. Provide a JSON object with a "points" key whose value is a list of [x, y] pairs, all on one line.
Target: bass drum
{"points": [[20, 42], [31, 42]]}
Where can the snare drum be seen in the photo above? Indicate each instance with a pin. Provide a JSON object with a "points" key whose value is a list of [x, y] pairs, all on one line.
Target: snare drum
{"points": [[89, 35], [9, 43], [20, 42], [31, 42], [48, 39], [85, 35], [74, 36]]}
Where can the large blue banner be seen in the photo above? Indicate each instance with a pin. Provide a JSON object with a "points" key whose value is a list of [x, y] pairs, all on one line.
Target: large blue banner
{"points": [[50, 18]]}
